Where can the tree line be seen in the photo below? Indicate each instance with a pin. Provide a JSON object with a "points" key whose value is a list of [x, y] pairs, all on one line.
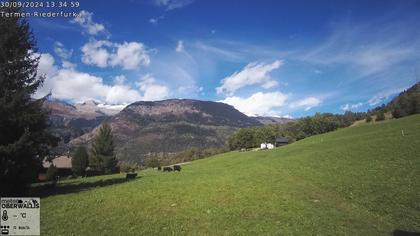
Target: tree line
{"points": [[295, 130], [406, 103]]}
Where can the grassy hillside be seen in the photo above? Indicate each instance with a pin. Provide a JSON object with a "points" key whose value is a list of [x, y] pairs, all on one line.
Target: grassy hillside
{"points": [[361, 180]]}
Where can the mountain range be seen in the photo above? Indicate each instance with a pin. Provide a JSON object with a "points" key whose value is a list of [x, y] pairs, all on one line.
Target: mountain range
{"points": [[144, 127]]}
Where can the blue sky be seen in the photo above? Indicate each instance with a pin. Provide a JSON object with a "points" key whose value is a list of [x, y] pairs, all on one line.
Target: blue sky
{"points": [[277, 58]]}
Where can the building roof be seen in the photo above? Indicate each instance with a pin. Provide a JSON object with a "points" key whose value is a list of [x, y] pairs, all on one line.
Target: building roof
{"points": [[62, 162]]}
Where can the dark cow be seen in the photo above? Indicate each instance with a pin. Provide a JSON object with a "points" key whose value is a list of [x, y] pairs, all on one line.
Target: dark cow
{"points": [[131, 176], [177, 168], [167, 168], [159, 168]]}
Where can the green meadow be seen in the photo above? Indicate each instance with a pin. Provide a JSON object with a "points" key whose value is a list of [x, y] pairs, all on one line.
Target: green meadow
{"points": [[361, 180]]}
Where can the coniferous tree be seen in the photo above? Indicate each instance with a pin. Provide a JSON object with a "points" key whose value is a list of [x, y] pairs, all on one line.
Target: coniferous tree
{"points": [[102, 156], [24, 140], [79, 161]]}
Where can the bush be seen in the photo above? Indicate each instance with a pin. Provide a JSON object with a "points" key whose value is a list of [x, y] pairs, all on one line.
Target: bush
{"points": [[128, 167], [51, 172], [380, 116], [368, 119]]}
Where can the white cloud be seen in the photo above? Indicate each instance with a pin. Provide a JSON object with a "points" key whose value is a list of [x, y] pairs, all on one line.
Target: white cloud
{"points": [[263, 104], [254, 73], [155, 20], [84, 19], [121, 94], [70, 84], [383, 96], [68, 65], [117, 107], [307, 103], [61, 51], [172, 4], [180, 46], [119, 79], [130, 55], [46, 65], [287, 116], [103, 53], [95, 53], [348, 107], [151, 89]]}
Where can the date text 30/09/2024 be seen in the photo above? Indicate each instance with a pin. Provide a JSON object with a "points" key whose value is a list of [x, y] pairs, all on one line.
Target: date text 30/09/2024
{"points": [[40, 4]]}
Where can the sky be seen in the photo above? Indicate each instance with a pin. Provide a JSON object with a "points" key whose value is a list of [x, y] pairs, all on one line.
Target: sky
{"points": [[267, 58]]}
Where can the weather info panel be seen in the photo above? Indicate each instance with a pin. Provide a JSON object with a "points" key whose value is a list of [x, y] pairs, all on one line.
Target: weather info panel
{"points": [[20, 216]]}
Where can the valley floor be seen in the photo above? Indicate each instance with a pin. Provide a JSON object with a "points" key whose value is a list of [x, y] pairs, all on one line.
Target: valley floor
{"points": [[361, 180]]}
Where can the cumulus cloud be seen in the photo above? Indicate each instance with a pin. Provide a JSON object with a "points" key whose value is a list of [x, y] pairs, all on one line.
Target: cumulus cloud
{"points": [[119, 79], [180, 46], [172, 4], [130, 55], [76, 86], [121, 94], [61, 51], [96, 53], [151, 89], [307, 103], [46, 65], [103, 53], [261, 104], [84, 19], [67, 64], [254, 73]]}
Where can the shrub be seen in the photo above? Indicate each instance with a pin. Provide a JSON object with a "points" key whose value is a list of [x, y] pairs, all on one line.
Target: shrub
{"points": [[380, 116], [128, 167], [51, 172]]}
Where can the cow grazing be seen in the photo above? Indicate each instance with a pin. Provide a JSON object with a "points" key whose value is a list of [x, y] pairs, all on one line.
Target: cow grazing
{"points": [[131, 176], [159, 168], [167, 168], [177, 168]]}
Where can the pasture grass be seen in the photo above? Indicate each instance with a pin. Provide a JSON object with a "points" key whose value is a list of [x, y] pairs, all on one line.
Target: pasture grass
{"points": [[361, 180]]}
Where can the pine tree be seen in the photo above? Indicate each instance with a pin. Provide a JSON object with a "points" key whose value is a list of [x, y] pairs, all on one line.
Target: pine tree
{"points": [[79, 161], [102, 156], [24, 140]]}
